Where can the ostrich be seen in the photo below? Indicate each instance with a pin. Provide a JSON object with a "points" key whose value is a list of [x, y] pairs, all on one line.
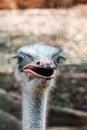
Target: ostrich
{"points": [[36, 71]]}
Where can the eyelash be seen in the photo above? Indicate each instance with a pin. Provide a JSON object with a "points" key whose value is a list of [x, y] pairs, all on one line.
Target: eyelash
{"points": [[30, 57], [21, 58]]}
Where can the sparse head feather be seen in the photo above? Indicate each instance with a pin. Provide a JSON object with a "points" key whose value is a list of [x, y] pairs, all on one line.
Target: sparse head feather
{"points": [[45, 51]]}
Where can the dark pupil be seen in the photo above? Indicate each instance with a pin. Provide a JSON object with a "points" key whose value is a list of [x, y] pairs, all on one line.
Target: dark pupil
{"points": [[20, 59]]}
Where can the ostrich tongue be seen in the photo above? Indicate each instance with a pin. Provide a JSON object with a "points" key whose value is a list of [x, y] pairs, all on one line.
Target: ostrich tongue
{"points": [[39, 71]]}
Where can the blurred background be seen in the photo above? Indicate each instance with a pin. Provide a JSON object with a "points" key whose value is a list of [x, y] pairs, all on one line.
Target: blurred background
{"points": [[62, 23]]}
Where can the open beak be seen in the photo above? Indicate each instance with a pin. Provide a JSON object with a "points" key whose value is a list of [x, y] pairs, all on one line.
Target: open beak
{"points": [[46, 71]]}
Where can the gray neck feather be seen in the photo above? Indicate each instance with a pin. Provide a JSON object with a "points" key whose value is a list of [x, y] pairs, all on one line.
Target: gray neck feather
{"points": [[34, 110]]}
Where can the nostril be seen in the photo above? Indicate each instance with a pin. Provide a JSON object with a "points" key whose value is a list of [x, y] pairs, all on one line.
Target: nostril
{"points": [[38, 63]]}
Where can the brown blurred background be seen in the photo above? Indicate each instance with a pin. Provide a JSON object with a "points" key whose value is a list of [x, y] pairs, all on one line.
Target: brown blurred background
{"points": [[15, 4], [62, 23]]}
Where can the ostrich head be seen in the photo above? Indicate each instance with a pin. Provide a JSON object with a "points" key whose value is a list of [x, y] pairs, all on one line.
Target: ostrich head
{"points": [[37, 65]]}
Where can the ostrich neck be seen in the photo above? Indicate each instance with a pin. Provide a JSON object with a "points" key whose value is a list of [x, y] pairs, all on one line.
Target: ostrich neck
{"points": [[34, 110]]}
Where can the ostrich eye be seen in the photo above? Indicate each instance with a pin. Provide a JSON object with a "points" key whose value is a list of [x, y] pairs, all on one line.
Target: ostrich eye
{"points": [[20, 59], [60, 59]]}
